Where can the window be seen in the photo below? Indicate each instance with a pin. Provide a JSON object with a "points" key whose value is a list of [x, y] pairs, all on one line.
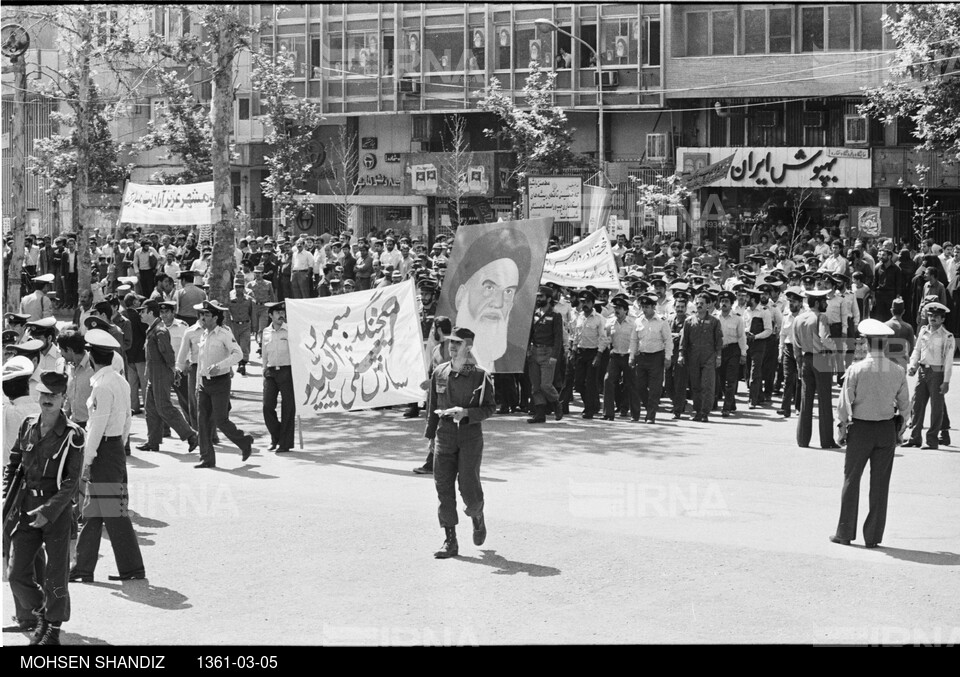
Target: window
{"points": [[840, 26], [443, 50], [651, 46], [564, 48], [781, 31], [501, 47], [829, 28], [812, 26], [871, 27], [588, 33], [243, 108], [316, 61], [619, 42], [530, 46], [296, 45], [767, 30], [855, 130], [754, 31], [710, 33], [158, 110], [408, 54], [362, 56], [106, 27], [171, 23]]}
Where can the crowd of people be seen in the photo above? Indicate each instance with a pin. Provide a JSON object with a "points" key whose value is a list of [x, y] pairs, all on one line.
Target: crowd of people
{"points": [[686, 326]]}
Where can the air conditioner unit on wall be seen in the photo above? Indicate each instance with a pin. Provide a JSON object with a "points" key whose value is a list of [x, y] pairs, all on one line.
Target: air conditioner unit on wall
{"points": [[607, 78], [856, 130], [658, 147], [408, 86], [813, 118], [766, 118]]}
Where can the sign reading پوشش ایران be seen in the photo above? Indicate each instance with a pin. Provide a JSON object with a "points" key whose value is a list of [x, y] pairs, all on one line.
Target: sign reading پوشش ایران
{"points": [[792, 167], [588, 262], [557, 197], [356, 351], [190, 204]]}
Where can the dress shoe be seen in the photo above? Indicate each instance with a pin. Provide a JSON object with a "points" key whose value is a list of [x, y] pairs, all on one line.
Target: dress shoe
{"points": [[539, 414], [677, 415], [911, 443], [283, 450], [945, 439], [242, 369], [450, 547], [147, 447], [608, 418], [931, 446], [635, 420], [649, 420], [479, 530], [726, 414], [247, 448], [696, 417], [192, 443], [754, 406], [840, 541], [503, 410], [412, 412], [206, 464], [128, 577], [587, 415], [273, 446], [80, 578], [832, 445], [424, 470], [871, 546], [558, 411], [704, 418]]}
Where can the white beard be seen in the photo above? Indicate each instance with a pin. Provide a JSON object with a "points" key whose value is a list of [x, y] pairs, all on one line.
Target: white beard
{"points": [[490, 343]]}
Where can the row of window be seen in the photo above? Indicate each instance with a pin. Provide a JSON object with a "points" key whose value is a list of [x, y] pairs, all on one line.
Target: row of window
{"points": [[783, 30]]}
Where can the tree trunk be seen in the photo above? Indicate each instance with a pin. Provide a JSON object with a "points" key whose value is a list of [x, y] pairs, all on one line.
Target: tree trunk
{"points": [[18, 198], [83, 159], [222, 261]]}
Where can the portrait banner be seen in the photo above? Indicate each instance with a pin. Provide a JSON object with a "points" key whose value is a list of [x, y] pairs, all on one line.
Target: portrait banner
{"points": [[596, 204], [191, 204], [588, 262], [491, 288], [356, 351]]}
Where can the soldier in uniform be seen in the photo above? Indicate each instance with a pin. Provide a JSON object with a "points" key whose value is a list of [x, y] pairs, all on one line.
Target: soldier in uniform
{"points": [[16, 322], [461, 396], [811, 335], [589, 342], [38, 305], [873, 397], [261, 292], [789, 355], [546, 347], [278, 380], [933, 358], [40, 485], [428, 309], [217, 353], [701, 343], [105, 465], [439, 353], [733, 353], [241, 309], [676, 380], [758, 326]]}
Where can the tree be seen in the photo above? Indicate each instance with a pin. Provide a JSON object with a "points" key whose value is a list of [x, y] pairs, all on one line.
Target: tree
{"points": [[455, 164], [923, 215], [663, 195], [537, 132], [342, 179], [184, 129], [925, 64], [293, 121]]}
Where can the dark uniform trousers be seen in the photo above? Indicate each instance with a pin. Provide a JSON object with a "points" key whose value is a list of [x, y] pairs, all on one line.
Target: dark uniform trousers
{"points": [[677, 381], [213, 411], [182, 391], [929, 380], [106, 505], [729, 375], [279, 381], [619, 365], [815, 375], [458, 454], [769, 366], [873, 441], [649, 382], [585, 379], [542, 368], [756, 349], [702, 368], [790, 391], [160, 410], [27, 565], [507, 393]]}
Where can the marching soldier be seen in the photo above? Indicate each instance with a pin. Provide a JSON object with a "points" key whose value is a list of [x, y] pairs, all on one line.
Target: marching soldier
{"points": [[261, 292], [461, 397], [278, 379], [677, 380], [589, 341], [733, 354], [105, 464], [933, 358], [40, 485], [442, 328], [241, 319], [651, 349], [701, 343], [873, 397], [543, 355], [218, 352]]}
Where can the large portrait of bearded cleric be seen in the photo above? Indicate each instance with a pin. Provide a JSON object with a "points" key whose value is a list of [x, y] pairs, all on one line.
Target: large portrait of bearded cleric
{"points": [[490, 287]]}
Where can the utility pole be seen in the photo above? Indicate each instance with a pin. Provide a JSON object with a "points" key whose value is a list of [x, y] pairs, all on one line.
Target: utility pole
{"points": [[16, 41], [82, 183]]}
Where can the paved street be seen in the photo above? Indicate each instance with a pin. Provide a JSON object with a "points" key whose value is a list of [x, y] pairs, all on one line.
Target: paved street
{"points": [[598, 532]]}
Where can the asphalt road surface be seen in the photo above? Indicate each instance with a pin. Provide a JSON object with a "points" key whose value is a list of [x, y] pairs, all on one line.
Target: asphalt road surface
{"points": [[598, 532]]}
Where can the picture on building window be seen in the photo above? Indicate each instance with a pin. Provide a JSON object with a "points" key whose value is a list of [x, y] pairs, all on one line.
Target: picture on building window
{"points": [[535, 51], [479, 39], [622, 46], [504, 37]]}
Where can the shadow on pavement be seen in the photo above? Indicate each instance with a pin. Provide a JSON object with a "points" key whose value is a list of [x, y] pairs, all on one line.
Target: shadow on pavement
{"points": [[948, 559], [142, 592], [146, 522], [81, 640], [246, 471], [139, 463], [180, 456], [508, 567]]}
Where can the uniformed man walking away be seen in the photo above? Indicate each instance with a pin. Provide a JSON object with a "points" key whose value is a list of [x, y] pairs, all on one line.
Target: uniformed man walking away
{"points": [[105, 466], [40, 485], [241, 320], [278, 380], [218, 352], [933, 357], [870, 412], [461, 396], [811, 335], [543, 355]]}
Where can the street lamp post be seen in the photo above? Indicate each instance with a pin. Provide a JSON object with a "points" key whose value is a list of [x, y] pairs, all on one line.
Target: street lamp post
{"points": [[546, 26]]}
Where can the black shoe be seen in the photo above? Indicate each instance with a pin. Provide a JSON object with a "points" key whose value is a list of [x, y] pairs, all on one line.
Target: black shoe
{"points": [[840, 541], [704, 418], [248, 447], [587, 415], [871, 546], [503, 410], [128, 577], [677, 414], [147, 447], [911, 443], [80, 578], [424, 470], [558, 411], [649, 420], [192, 443], [537, 418], [284, 450], [607, 418], [206, 464], [46, 634], [450, 547], [273, 446], [242, 369], [945, 439], [479, 530], [930, 446], [412, 412], [832, 445], [726, 414]]}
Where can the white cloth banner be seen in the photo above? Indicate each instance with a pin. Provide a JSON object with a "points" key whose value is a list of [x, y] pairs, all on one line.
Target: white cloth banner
{"points": [[356, 351], [588, 262], [191, 204]]}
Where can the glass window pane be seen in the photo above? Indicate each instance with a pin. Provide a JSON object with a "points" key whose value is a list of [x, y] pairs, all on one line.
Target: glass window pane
{"points": [[619, 42], [316, 64], [781, 31], [812, 22], [653, 43], [588, 33], [298, 47], [697, 38], [723, 32], [501, 47], [408, 53], [527, 47], [477, 54], [871, 28], [443, 50], [754, 31], [839, 21], [291, 12], [335, 66]]}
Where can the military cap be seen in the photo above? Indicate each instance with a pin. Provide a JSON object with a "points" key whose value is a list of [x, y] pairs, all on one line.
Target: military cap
{"points": [[587, 295], [808, 277], [765, 287], [168, 305], [648, 299], [28, 346], [840, 278], [658, 281], [98, 338], [17, 366], [769, 255], [729, 295], [275, 306], [816, 294], [397, 275], [43, 323], [794, 295], [349, 283], [52, 382], [124, 288], [47, 278], [461, 334], [210, 307], [128, 279], [9, 336], [794, 274], [186, 274], [16, 318], [96, 323], [619, 302], [757, 258], [707, 294], [937, 308], [753, 292]]}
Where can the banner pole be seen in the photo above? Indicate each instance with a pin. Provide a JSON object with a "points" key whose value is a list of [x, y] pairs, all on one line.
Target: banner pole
{"points": [[300, 428]]}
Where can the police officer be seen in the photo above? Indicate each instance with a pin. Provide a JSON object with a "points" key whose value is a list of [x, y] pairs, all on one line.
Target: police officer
{"points": [[733, 354], [701, 344], [872, 399], [105, 466], [241, 319], [461, 396], [811, 335], [758, 326], [38, 305], [40, 485], [218, 352], [261, 292], [278, 379], [651, 349], [933, 358], [789, 354]]}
